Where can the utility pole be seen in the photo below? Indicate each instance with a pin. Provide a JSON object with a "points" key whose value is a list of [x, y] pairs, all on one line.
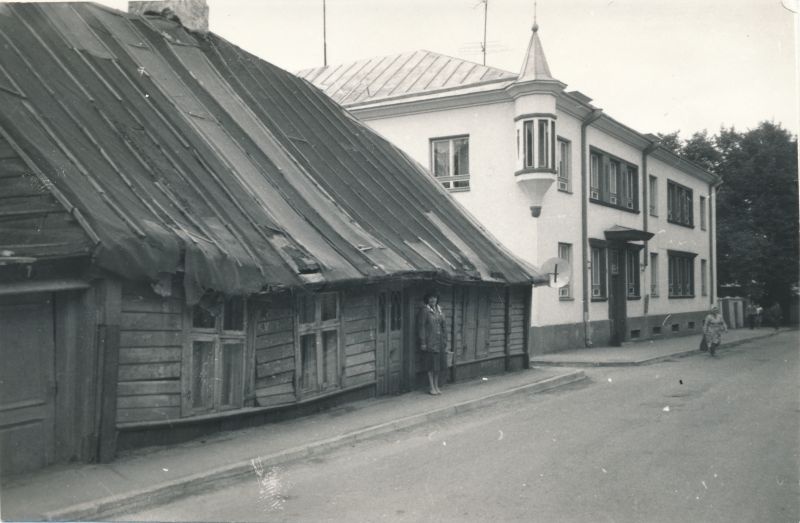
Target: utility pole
{"points": [[324, 36]]}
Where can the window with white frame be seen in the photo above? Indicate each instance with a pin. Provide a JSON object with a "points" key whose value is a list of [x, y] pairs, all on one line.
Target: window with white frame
{"points": [[679, 204], [599, 274], [565, 253], [450, 162], [632, 272], [318, 329], [703, 213], [703, 278], [536, 142], [681, 274], [214, 358], [564, 165], [654, 275], [653, 196], [613, 182]]}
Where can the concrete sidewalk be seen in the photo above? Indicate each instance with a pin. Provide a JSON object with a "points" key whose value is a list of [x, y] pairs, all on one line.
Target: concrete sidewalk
{"points": [[644, 352], [148, 477]]}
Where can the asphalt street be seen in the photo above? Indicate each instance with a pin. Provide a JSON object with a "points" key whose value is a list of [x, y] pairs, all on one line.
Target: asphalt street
{"points": [[693, 439]]}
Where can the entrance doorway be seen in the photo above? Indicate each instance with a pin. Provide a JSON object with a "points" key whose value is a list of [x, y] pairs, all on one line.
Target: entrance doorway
{"points": [[27, 382], [389, 346], [617, 297]]}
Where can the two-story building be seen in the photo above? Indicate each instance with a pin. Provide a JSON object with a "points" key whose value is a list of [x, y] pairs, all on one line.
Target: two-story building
{"points": [[552, 175]]}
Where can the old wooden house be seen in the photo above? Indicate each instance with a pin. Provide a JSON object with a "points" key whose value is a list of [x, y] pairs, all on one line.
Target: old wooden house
{"points": [[192, 239]]}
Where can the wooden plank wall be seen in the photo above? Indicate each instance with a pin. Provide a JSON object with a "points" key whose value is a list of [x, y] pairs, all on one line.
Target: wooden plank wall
{"points": [[149, 387], [274, 345], [519, 321], [497, 321], [359, 309]]}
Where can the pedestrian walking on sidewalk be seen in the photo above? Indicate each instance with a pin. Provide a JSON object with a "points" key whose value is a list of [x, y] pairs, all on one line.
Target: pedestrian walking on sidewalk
{"points": [[750, 313], [432, 339], [713, 327]]}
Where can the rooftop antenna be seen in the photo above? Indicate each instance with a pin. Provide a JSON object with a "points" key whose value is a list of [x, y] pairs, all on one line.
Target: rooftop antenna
{"points": [[535, 25], [324, 36], [485, 16]]}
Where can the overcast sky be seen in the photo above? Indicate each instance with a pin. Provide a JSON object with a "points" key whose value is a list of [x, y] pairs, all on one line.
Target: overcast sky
{"points": [[655, 65]]}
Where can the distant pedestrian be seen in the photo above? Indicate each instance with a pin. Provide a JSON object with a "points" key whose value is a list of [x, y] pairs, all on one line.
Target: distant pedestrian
{"points": [[774, 315], [713, 327], [432, 338], [750, 312]]}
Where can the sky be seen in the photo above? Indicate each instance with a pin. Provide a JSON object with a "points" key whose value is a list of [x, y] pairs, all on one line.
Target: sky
{"points": [[654, 65]]}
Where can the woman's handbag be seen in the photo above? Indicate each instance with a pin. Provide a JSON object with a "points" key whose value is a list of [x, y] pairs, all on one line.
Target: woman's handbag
{"points": [[450, 358]]}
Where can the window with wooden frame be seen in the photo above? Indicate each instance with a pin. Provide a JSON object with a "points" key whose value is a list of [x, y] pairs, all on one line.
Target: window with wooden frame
{"points": [[632, 272], [681, 274], [565, 253], [654, 287], [613, 182], [652, 197], [214, 356], [536, 142], [599, 273], [564, 165], [679, 204], [318, 342], [450, 162]]}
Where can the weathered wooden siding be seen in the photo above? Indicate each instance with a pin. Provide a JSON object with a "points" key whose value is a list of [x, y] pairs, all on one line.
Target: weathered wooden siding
{"points": [[275, 351], [519, 321], [497, 321], [151, 340], [359, 325]]}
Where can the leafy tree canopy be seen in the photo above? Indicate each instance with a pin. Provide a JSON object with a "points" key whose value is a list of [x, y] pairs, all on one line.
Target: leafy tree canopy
{"points": [[758, 220]]}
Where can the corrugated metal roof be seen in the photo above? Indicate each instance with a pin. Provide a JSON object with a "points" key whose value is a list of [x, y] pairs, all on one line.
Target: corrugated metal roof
{"points": [[399, 75], [185, 153]]}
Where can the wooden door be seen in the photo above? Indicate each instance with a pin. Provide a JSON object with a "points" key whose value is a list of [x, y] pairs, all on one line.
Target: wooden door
{"points": [[617, 296], [475, 336], [27, 382], [389, 347]]}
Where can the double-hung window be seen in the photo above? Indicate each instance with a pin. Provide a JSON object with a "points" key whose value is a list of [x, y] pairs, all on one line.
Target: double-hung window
{"points": [[214, 359], [679, 204], [681, 274], [318, 330], [632, 272], [613, 182], [450, 162], [599, 274], [536, 143], [565, 253], [654, 275], [652, 197], [703, 213], [564, 165]]}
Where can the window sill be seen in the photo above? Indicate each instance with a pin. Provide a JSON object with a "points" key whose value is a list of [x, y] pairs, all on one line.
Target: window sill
{"points": [[565, 191], [682, 297], [654, 215], [634, 298], [566, 298], [526, 170], [654, 296], [457, 189], [680, 224], [600, 298], [614, 206]]}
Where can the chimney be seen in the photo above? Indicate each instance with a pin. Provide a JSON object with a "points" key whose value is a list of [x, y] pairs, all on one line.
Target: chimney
{"points": [[192, 14]]}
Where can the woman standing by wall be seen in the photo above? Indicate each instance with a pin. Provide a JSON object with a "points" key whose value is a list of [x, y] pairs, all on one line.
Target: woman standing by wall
{"points": [[432, 339]]}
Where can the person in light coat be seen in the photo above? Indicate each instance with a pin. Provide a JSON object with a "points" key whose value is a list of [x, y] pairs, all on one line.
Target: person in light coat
{"points": [[713, 327]]}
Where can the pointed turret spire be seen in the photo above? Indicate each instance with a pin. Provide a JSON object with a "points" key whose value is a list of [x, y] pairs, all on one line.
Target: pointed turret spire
{"points": [[535, 65]]}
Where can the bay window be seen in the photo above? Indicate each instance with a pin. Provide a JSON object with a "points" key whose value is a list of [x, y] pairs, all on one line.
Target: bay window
{"points": [[536, 143]]}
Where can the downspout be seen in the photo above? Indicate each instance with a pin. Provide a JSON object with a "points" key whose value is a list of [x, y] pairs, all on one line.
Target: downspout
{"points": [[712, 212], [645, 217], [587, 334]]}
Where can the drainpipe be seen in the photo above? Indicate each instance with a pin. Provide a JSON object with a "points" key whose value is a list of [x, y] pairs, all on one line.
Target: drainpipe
{"points": [[645, 217], [712, 204], [587, 335]]}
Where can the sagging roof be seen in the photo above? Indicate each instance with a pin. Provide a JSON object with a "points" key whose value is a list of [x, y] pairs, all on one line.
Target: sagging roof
{"points": [[400, 75], [180, 152]]}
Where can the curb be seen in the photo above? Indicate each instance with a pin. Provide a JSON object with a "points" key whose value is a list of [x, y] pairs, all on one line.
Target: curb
{"points": [[680, 354], [167, 491]]}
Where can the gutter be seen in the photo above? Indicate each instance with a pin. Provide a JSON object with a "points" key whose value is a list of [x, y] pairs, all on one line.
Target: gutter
{"points": [[645, 218], [587, 335], [712, 204]]}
